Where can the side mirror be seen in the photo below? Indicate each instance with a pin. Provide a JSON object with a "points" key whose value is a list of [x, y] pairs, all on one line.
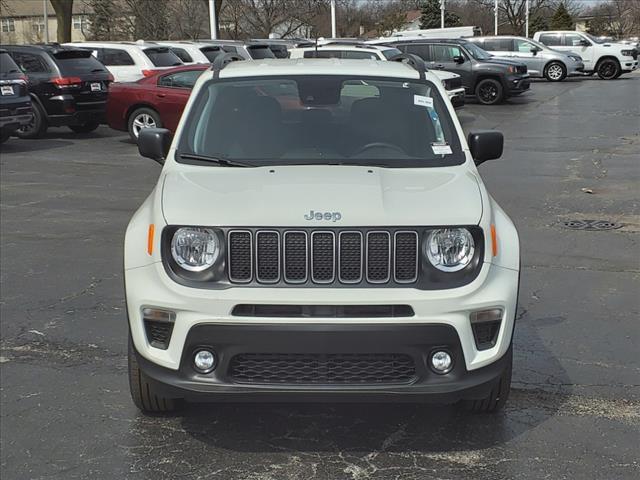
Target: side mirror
{"points": [[535, 50], [154, 143], [584, 43], [458, 59], [485, 145]]}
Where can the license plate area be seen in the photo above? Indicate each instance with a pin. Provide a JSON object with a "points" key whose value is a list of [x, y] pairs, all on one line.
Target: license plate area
{"points": [[96, 87], [7, 90]]}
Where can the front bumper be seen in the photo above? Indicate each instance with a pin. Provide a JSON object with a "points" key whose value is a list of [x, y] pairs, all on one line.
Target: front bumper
{"points": [[457, 97], [575, 69], [629, 65], [516, 85], [414, 341]]}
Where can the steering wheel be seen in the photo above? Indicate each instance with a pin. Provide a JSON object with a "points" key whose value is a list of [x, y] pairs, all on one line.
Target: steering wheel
{"points": [[369, 146]]}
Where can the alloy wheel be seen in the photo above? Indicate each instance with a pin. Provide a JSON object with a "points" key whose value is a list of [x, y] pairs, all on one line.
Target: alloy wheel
{"points": [[555, 72], [144, 120]]}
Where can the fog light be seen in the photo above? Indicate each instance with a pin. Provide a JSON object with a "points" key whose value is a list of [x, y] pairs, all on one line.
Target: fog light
{"points": [[441, 362], [204, 361]]}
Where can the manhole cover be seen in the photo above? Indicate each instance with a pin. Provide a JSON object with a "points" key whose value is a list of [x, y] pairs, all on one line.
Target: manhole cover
{"points": [[591, 225]]}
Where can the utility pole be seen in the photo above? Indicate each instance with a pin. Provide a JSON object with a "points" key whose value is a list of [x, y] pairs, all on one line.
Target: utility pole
{"points": [[46, 21], [441, 13], [526, 16], [213, 21], [333, 19], [495, 21]]}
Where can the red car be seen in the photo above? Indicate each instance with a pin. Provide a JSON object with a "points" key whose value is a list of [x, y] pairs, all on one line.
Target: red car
{"points": [[154, 101]]}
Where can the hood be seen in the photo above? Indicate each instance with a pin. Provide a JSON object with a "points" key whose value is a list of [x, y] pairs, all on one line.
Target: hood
{"points": [[503, 61], [343, 195]]}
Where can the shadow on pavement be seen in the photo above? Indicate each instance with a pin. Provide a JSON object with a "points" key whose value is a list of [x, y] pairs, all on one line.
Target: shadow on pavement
{"points": [[17, 145]]}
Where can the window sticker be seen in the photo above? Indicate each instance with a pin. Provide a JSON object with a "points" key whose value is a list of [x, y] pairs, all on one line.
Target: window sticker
{"points": [[441, 149], [423, 101]]}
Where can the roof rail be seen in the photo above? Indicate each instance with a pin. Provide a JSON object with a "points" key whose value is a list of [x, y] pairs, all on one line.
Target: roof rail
{"points": [[413, 61], [222, 61]]}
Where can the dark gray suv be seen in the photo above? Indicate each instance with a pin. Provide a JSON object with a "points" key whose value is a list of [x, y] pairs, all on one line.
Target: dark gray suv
{"points": [[489, 79]]}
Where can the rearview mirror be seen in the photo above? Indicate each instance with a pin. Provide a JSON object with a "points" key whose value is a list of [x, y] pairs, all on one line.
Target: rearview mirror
{"points": [[485, 145], [458, 59], [154, 143]]}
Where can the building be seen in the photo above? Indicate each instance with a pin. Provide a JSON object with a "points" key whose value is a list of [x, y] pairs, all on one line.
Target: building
{"points": [[22, 21]]}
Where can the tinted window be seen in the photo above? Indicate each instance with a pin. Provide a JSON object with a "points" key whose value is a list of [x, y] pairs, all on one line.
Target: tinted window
{"points": [[279, 51], [229, 49], [359, 55], [445, 53], [182, 54], [114, 57], [323, 54], [420, 50], [7, 65], [212, 52], [78, 62], [572, 40], [185, 79], [497, 44], [260, 51], [30, 63], [551, 40], [162, 57]]}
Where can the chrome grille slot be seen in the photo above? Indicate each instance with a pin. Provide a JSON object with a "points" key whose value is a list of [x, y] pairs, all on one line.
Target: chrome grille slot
{"points": [[350, 257], [240, 256], [295, 257], [267, 256], [323, 257], [378, 256]]}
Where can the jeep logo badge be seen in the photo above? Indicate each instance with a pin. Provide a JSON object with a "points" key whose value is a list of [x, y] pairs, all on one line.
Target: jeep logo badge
{"points": [[329, 216]]}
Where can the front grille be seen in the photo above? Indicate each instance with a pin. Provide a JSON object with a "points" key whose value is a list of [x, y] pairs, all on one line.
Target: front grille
{"points": [[521, 69], [323, 256], [322, 369], [158, 333]]}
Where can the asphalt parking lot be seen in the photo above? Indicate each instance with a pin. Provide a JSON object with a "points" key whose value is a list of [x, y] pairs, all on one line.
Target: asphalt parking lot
{"points": [[572, 153]]}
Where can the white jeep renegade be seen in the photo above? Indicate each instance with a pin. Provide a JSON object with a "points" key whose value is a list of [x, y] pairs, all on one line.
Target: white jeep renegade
{"points": [[320, 232]]}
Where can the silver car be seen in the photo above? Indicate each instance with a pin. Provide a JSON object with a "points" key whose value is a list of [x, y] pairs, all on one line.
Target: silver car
{"points": [[541, 60]]}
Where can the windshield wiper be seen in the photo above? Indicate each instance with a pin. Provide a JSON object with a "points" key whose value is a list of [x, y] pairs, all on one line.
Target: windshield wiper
{"points": [[217, 160]]}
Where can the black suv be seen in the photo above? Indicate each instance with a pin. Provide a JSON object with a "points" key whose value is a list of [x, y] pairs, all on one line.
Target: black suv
{"points": [[15, 103], [68, 87], [489, 79]]}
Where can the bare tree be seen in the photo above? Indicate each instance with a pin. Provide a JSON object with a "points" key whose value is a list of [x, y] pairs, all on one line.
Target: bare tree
{"points": [[616, 18]]}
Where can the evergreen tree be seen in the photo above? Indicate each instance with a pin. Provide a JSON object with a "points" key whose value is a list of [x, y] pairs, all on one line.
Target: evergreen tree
{"points": [[431, 16], [561, 19], [538, 24]]}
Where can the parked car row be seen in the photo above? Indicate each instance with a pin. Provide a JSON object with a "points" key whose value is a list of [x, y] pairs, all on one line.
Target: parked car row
{"points": [[135, 85]]}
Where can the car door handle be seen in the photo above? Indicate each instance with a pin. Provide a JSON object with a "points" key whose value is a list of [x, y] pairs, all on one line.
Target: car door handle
{"points": [[440, 66], [161, 95]]}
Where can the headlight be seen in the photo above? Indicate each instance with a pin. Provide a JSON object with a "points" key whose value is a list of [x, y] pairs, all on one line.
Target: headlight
{"points": [[449, 249], [627, 53], [195, 249], [575, 58]]}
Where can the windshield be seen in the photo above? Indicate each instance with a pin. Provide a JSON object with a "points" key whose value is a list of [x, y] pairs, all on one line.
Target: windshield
{"points": [[391, 52], [305, 120], [595, 39], [476, 52]]}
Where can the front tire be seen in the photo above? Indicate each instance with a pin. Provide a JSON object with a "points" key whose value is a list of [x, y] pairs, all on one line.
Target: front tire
{"points": [[38, 125], [608, 69], [555, 72], [143, 392], [489, 91], [497, 397], [142, 118], [85, 128]]}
